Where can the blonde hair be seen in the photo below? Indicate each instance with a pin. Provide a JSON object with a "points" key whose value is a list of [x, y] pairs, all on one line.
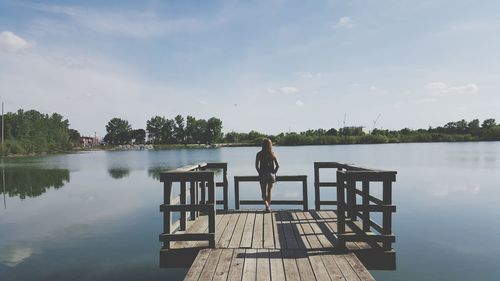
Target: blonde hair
{"points": [[267, 147]]}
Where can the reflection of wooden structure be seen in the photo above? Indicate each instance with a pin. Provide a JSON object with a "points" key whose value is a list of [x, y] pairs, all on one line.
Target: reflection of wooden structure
{"points": [[286, 244], [302, 179]]}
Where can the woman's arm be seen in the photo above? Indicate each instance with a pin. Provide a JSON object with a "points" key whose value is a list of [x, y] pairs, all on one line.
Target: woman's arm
{"points": [[257, 163], [277, 166]]}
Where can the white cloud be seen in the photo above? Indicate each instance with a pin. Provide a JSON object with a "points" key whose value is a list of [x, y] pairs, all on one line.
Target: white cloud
{"points": [[313, 74], [271, 91], [436, 86], [10, 42], [299, 103], [283, 90], [444, 89], [289, 90], [129, 23], [346, 22]]}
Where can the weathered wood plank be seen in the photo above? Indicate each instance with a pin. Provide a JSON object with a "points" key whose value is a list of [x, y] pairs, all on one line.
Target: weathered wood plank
{"points": [[346, 268], [331, 267], [291, 240], [302, 241], [276, 265], [278, 232], [307, 231], [247, 237], [221, 227], [263, 268], [250, 268], [237, 264], [197, 266], [268, 231], [290, 266], [320, 229], [222, 270], [319, 268], [238, 231], [304, 266], [359, 268], [257, 241], [228, 233], [210, 266]]}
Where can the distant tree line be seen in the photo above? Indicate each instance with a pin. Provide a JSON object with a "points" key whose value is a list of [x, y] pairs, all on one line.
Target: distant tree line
{"points": [[161, 130], [30, 131], [34, 132], [461, 130]]}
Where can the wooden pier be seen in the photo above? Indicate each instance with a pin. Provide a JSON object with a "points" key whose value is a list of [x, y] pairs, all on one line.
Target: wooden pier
{"points": [[285, 244]]}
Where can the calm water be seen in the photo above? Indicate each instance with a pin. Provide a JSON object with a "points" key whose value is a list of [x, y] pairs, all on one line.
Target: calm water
{"points": [[95, 216]]}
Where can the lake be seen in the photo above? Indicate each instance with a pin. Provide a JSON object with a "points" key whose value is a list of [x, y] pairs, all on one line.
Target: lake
{"points": [[95, 215]]}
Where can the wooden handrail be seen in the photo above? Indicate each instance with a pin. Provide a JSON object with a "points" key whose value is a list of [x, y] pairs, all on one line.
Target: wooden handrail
{"points": [[281, 178]]}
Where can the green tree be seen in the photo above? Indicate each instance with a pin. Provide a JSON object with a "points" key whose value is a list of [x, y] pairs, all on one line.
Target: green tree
{"points": [[190, 131], [139, 136], [33, 132], [118, 131], [167, 132], [488, 123], [154, 126], [214, 130], [74, 136], [179, 132]]}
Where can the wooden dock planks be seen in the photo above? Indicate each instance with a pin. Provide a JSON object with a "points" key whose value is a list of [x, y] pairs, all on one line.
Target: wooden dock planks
{"points": [[276, 264], [283, 245]]}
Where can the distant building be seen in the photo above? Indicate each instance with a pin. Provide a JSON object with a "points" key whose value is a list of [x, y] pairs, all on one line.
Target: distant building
{"points": [[89, 141]]}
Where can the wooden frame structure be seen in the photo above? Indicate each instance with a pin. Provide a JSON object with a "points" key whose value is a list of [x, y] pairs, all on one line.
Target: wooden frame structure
{"points": [[197, 180], [347, 207], [284, 178], [318, 166], [223, 183]]}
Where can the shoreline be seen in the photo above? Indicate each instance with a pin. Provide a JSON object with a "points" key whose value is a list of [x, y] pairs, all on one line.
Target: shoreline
{"points": [[200, 146]]}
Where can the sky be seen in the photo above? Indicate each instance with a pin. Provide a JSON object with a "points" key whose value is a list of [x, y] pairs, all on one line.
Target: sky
{"points": [[271, 66]]}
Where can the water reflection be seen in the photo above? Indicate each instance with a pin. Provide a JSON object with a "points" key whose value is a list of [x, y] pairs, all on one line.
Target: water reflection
{"points": [[32, 181], [118, 173], [154, 172]]}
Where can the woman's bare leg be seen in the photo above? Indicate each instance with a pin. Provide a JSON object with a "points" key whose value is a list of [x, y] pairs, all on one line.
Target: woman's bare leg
{"points": [[269, 192], [263, 191]]}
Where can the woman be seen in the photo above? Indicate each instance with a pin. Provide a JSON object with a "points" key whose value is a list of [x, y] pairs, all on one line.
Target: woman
{"points": [[267, 166]]}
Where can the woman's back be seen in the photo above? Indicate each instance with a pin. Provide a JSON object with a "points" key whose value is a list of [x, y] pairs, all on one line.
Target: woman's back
{"points": [[266, 162]]}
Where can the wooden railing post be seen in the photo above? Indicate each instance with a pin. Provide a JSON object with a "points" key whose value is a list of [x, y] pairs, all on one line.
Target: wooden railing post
{"points": [[182, 226], [351, 199], [225, 188], [366, 203], [387, 215], [211, 213], [236, 194], [340, 208], [304, 194], [167, 217], [317, 193], [202, 193], [192, 199]]}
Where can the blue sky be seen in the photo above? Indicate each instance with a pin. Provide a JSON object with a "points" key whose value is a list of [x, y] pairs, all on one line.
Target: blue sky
{"points": [[270, 66]]}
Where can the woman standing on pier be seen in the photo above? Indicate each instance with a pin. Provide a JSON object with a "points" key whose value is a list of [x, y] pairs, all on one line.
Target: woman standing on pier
{"points": [[267, 166]]}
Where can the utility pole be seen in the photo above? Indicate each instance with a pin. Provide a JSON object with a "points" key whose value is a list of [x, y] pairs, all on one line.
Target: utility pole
{"points": [[3, 183], [3, 130]]}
